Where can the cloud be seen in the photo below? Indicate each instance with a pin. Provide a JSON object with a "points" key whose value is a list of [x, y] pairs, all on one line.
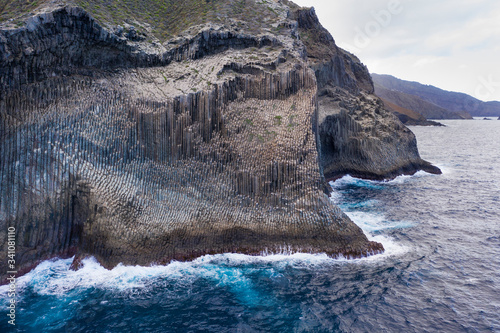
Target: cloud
{"points": [[423, 62]]}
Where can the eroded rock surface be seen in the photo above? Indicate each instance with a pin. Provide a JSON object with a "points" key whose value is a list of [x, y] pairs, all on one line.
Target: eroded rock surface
{"points": [[215, 141], [356, 134]]}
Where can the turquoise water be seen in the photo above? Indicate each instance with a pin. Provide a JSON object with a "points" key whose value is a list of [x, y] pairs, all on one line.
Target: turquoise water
{"points": [[440, 271]]}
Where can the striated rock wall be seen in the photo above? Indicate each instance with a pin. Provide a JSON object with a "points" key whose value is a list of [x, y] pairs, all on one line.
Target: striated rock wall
{"points": [[356, 134], [361, 138], [68, 41], [140, 153]]}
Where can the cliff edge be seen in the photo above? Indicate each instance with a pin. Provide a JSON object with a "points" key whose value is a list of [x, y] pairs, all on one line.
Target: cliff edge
{"points": [[357, 135], [133, 149]]}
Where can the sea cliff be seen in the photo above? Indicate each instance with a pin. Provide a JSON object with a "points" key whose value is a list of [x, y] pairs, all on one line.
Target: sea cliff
{"points": [[220, 138]]}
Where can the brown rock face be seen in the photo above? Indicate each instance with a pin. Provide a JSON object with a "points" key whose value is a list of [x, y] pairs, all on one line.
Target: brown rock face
{"points": [[214, 141], [407, 116]]}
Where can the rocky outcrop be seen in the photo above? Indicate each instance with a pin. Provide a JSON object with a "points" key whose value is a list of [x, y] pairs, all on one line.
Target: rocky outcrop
{"points": [[361, 138], [356, 134], [217, 140], [143, 153]]}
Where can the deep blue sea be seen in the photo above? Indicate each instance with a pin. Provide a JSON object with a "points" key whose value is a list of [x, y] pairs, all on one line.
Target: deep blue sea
{"points": [[440, 272]]}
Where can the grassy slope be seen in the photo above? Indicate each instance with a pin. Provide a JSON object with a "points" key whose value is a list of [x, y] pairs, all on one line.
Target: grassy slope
{"points": [[166, 18], [14, 8]]}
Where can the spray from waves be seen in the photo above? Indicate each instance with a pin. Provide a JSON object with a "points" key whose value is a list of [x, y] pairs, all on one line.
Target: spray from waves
{"points": [[351, 182], [356, 198], [54, 277], [374, 225], [60, 294], [446, 168], [356, 182]]}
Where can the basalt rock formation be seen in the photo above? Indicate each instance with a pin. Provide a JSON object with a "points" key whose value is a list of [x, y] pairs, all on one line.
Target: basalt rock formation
{"points": [[116, 145], [357, 134]]}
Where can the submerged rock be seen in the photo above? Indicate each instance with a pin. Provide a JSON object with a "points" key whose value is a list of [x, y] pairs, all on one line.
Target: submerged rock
{"points": [[217, 140]]}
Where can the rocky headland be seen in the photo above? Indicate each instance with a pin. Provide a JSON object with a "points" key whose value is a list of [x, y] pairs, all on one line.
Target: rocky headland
{"points": [[408, 101], [137, 143], [407, 116]]}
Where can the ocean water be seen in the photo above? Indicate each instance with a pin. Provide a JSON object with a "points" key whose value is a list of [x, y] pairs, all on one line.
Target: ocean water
{"points": [[440, 271]]}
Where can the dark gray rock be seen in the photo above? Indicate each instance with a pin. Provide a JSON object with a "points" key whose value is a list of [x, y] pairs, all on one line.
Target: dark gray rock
{"points": [[140, 152], [359, 137], [143, 153], [356, 134]]}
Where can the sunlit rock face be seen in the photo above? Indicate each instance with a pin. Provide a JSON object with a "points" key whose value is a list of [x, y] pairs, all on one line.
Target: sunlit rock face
{"points": [[130, 150]]}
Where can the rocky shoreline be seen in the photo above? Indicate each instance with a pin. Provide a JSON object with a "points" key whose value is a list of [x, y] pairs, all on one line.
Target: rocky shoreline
{"points": [[218, 140]]}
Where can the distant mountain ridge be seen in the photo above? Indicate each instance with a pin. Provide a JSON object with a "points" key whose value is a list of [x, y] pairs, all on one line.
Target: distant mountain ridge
{"points": [[407, 116], [416, 104], [390, 87]]}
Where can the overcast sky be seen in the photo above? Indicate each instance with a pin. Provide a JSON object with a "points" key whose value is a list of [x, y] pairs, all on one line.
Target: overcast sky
{"points": [[454, 45]]}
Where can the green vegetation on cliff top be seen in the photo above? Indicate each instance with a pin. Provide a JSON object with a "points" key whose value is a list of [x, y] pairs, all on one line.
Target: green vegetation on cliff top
{"points": [[166, 18], [10, 9]]}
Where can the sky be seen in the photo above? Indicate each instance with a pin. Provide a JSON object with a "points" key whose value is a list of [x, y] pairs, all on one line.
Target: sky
{"points": [[453, 45]]}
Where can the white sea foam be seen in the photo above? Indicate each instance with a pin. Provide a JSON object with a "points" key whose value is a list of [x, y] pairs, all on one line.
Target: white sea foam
{"points": [[335, 196], [406, 178], [373, 224], [446, 169], [348, 180], [356, 205], [53, 277]]}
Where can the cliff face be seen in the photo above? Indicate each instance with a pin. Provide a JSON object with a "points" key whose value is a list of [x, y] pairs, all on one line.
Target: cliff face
{"points": [[356, 134], [139, 152]]}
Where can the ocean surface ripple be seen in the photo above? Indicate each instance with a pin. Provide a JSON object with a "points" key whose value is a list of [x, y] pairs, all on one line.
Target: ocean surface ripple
{"points": [[440, 271]]}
